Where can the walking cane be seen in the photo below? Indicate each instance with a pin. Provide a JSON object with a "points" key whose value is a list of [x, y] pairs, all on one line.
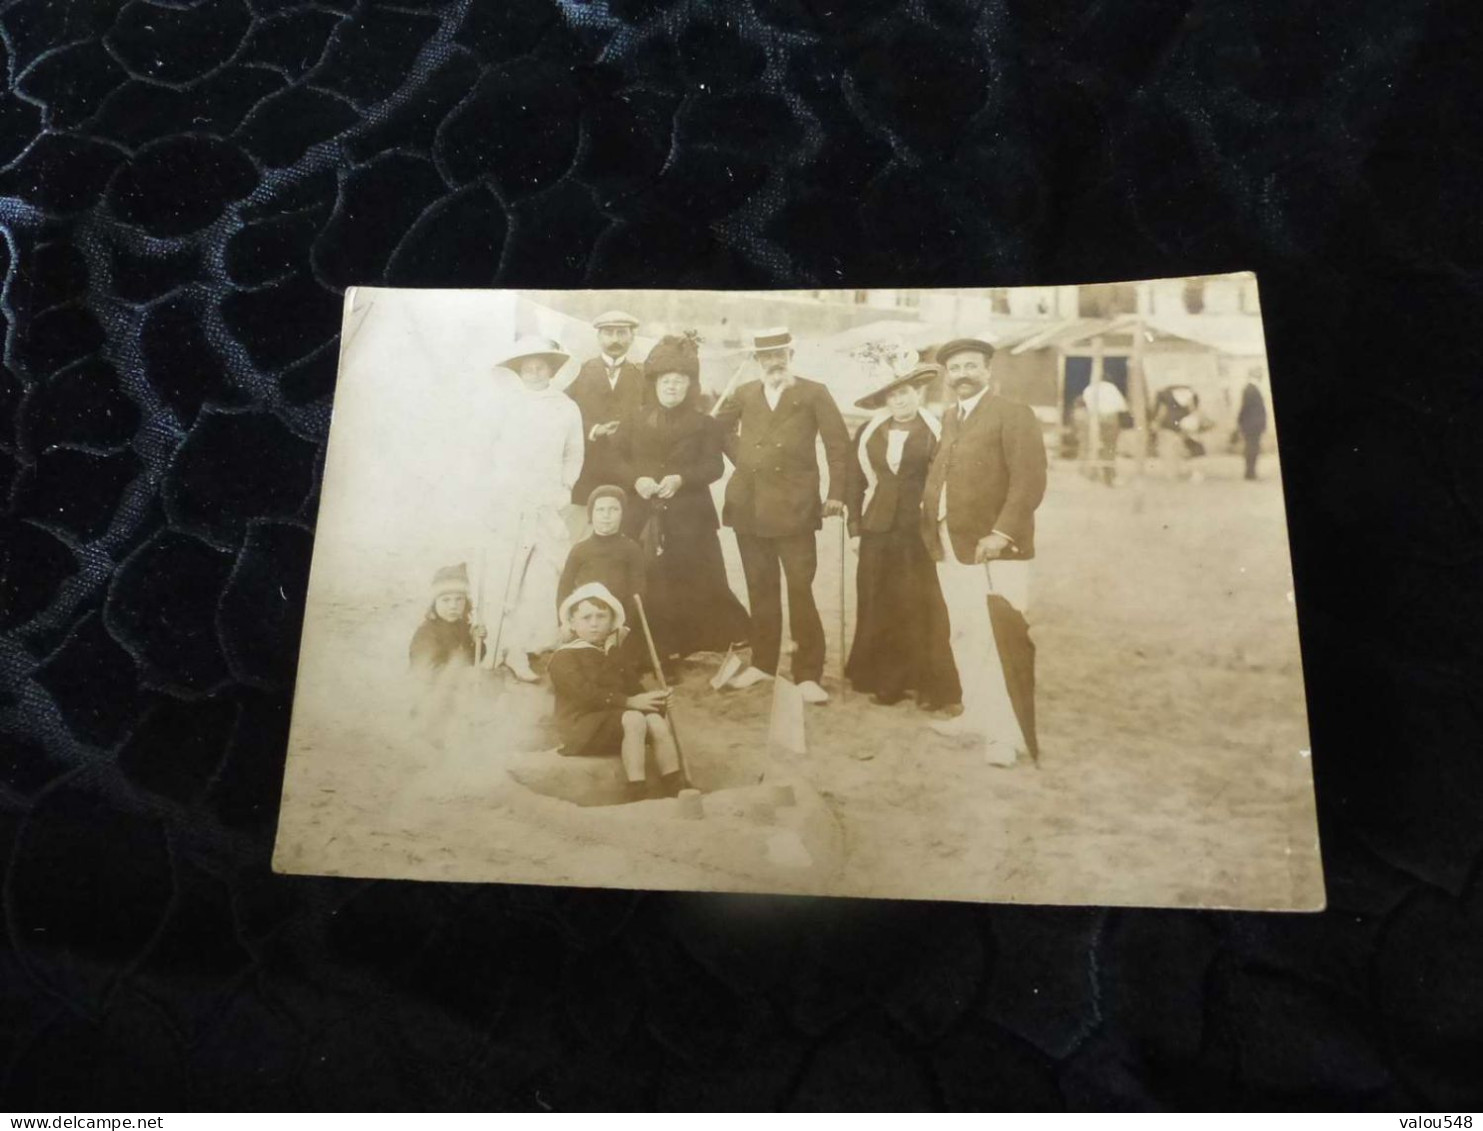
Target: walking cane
{"points": [[515, 577], [479, 611], [844, 549], [674, 731]]}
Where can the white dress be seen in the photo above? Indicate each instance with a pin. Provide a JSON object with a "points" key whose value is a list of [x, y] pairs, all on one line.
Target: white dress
{"points": [[529, 457]]}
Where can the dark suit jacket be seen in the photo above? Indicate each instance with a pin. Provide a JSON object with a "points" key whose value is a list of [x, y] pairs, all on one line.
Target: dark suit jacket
{"points": [[774, 491], [599, 403], [993, 468], [896, 495]]}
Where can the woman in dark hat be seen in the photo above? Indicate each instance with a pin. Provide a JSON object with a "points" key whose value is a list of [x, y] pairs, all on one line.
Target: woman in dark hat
{"points": [[902, 639], [668, 456]]}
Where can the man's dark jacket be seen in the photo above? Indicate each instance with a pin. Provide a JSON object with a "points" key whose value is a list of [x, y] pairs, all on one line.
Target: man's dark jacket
{"points": [[599, 403], [774, 491], [993, 467]]}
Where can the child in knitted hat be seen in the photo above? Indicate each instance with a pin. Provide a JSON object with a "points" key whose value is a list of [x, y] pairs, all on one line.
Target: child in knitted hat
{"points": [[446, 634], [607, 555], [602, 708], [442, 644]]}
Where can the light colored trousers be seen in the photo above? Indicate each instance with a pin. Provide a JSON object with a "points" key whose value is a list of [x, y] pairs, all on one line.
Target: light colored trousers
{"points": [[965, 588]]}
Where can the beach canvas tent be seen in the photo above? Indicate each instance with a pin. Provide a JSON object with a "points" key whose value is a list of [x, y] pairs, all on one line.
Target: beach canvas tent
{"points": [[1209, 354]]}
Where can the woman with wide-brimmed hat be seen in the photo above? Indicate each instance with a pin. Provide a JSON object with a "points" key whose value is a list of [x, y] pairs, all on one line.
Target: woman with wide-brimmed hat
{"points": [[902, 642], [534, 457], [668, 456]]}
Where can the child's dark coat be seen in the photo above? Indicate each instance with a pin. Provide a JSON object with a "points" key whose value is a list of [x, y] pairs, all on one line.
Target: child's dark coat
{"points": [[438, 642], [592, 688]]}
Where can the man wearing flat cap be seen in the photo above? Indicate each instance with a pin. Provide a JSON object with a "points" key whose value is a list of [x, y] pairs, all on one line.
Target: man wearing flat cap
{"points": [[978, 520], [772, 428], [607, 389]]}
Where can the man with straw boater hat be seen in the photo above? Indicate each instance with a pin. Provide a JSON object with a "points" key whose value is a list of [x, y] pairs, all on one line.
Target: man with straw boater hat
{"points": [[978, 520], [771, 428], [607, 389]]}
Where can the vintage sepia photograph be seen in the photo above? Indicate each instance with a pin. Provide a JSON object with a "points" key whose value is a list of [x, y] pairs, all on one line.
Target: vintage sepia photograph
{"points": [[970, 594]]}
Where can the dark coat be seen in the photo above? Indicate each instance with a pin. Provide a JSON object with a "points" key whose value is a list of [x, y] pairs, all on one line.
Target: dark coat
{"points": [[592, 689], [438, 642], [774, 492], [613, 559], [670, 441], [599, 403], [1252, 416], [993, 469], [895, 496]]}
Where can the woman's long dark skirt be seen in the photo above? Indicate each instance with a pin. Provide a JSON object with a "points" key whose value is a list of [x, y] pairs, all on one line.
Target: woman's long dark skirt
{"points": [[901, 628], [691, 605]]}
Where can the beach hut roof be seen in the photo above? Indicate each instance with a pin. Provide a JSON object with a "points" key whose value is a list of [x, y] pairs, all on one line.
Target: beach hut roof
{"points": [[1239, 335]]}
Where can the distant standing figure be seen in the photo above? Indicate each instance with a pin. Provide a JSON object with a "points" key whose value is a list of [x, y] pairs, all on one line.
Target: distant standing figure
{"points": [[771, 429], [668, 456], [534, 456], [1105, 404], [606, 389], [902, 635], [1251, 420]]}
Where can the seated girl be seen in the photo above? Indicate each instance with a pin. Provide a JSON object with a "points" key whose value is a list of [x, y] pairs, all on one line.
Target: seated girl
{"points": [[601, 706], [442, 644], [445, 637]]}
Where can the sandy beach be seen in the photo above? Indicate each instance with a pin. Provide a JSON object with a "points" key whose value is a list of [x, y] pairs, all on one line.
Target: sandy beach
{"points": [[1173, 769]]}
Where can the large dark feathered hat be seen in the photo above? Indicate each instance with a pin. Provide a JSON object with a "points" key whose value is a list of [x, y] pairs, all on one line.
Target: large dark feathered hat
{"points": [[675, 353]]}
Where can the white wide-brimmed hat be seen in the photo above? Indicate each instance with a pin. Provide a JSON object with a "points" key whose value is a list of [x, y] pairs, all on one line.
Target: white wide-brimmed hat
{"points": [[535, 347]]}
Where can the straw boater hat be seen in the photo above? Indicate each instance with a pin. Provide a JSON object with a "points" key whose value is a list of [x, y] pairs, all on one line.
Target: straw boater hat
{"points": [[773, 338], [921, 376], [594, 591], [535, 347], [614, 318], [962, 345]]}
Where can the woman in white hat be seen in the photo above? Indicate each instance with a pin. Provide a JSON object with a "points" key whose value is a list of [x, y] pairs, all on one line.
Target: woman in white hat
{"points": [[534, 457]]}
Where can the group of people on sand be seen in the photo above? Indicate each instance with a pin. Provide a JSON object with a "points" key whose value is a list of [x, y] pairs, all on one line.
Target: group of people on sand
{"points": [[942, 512]]}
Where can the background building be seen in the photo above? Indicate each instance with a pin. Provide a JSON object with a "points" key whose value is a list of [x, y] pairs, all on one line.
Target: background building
{"points": [[1201, 331]]}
